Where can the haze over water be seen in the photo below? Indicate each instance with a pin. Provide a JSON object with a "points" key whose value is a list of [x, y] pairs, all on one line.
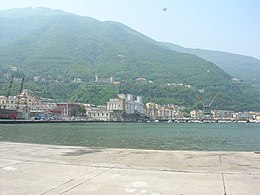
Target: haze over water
{"points": [[158, 136]]}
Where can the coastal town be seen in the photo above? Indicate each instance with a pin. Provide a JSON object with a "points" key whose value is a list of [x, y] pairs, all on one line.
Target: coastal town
{"points": [[123, 108]]}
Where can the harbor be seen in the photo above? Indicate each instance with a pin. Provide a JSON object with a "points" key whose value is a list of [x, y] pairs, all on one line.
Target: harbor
{"points": [[52, 169]]}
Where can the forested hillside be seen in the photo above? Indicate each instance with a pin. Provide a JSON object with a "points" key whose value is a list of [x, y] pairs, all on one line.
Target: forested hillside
{"points": [[55, 47], [239, 66]]}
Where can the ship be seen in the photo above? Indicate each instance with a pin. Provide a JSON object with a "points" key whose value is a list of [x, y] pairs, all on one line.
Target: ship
{"points": [[8, 113]]}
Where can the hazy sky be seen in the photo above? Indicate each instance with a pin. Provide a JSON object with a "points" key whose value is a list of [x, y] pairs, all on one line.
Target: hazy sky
{"points": [[225, 25]]}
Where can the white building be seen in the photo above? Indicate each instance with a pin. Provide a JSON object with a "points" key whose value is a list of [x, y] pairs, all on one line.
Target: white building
{"points": [[14, 68], [139, 106], [197, 114], [165, 113], [126, 104], [129, 104], [77, 80], [9, 102], [152, 109], [20, 101], [116, 104], [98, 114], [104, 80]]}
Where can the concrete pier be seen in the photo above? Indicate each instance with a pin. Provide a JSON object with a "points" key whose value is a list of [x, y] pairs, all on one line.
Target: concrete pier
{"points": [[49, 169]]}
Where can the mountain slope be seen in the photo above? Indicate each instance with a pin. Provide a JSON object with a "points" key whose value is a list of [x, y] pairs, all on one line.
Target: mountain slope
{"points": [[239, 66], [57, 47], [82, 46]]}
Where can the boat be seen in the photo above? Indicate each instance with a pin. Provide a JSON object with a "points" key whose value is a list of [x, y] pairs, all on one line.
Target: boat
{"points": [[8, 113]]}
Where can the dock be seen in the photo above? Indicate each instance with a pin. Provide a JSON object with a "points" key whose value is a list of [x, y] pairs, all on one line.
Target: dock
{"points": [[52, 169]]}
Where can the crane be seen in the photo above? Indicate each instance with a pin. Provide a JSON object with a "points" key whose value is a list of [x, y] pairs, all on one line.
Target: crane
{"points": [[206, 108], [213, 100], [19, 95], [10, 86]]}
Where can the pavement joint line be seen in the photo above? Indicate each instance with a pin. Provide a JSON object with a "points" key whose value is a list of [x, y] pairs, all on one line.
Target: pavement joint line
{"points": [[132, 168], [45, 162], [86, 181], [222, 175], [67, 182]]}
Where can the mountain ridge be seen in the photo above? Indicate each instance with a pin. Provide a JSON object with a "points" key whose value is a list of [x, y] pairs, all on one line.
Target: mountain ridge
{"points": [[239, 66]]}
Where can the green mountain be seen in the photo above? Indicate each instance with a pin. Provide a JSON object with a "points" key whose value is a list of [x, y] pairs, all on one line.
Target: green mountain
{"points": [[239, 66], [56, 47]]}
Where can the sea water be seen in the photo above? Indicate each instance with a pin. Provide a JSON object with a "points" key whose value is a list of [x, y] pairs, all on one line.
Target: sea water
{"points": [[157, 136]]}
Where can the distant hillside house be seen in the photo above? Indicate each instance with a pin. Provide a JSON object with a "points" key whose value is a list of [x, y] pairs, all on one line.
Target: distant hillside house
{"points": [[17, 79], [235, 80], [14, 68], [141, 80], [36, 78], [77, 80], [104, 80]]}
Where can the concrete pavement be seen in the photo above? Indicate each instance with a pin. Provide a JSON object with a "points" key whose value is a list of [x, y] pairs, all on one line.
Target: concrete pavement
{"points": [[49, 169]]}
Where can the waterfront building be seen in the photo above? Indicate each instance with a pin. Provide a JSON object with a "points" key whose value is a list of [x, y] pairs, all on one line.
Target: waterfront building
{"points": [[152, 109], [242, 116], [139, 106], [129, 104], [27, 99], [222, 114], [9, 102], [197, 114], [116, 104], [65, 110], [125, 107], [23, 113], [98, 114], [165, 113], [124, 103]]}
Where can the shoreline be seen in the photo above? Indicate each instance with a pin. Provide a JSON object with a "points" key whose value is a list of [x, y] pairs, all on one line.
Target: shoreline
{"points": [[8, 121], [56, 169], [141, 149]]}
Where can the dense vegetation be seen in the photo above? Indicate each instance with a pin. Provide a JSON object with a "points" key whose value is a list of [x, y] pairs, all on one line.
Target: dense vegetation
{"points": [[56, 47], [239, 66]]}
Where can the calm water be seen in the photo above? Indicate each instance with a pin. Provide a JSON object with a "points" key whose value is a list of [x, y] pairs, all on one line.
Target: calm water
{"points": [[165, 136]]}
